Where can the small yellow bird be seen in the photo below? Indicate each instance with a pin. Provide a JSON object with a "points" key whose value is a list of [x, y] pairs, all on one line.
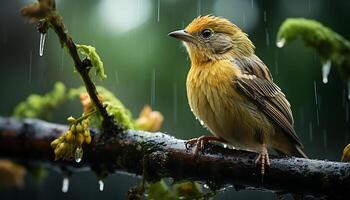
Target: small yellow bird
{"points": [[231, 91]]}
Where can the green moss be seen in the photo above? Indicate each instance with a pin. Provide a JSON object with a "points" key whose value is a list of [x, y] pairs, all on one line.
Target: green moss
{"points": [[96, 61], [116, 108], [327, 43], [41, 106]]}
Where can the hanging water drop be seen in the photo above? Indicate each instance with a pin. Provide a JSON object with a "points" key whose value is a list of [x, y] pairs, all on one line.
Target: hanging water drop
{"points": [[42, 43], [65, 184], [280, 43], [101, 185], [78, 155], [326, 68]]}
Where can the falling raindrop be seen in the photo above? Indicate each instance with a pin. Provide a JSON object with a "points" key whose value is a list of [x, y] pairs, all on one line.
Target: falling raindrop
{"points": [[78, 155], [267, 37], [101, 185], [62, 58], [116, 78], [326, 68], [317, 117], [315, 92], [30, 66], [199, 7], [265, 17], [175, 103], [348, 89], [243, 19], [158, 14], [280, 43], [325, 138], [346, 111], [65, 184], [310, 131], [153, 88], [42, 43], [276, 67], [252, 1]]}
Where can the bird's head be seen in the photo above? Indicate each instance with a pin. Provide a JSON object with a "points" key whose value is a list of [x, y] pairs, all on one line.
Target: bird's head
{"points": [[209, 38]]}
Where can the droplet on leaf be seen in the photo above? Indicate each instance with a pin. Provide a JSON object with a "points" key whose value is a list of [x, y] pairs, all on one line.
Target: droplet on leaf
{"points": [[78, 155]]}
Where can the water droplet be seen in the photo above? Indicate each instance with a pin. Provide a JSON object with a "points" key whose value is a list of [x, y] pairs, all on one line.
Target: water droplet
{"points": [[243, 19], [206, 186], [348, 89], [158, 11], [280, 43], [315, 92], [78, 155], [65, 184], [175, 103], [42, 43], [326, 68], [267, 37], [199, 7], [310, 131], [30, 66], [201, 122], [101, 185], [153, 88], [325, 138]]}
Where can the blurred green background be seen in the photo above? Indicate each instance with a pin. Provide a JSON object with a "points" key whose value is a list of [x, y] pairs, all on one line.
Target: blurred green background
{"points": [[145, 66]]}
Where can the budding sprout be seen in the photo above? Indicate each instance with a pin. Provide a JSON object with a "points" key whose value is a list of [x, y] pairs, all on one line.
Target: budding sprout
{"points": [[69, 145]]}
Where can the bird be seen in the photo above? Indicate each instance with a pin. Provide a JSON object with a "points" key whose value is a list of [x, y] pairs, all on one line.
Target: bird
{"points": [[231, 91]]}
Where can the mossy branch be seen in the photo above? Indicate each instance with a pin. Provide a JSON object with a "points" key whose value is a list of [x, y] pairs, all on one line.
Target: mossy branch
{"points": [[157, 155], [328, 44], [44, 12]]}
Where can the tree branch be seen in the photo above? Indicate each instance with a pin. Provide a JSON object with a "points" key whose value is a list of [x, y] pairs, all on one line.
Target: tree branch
{"points": [[157, 155], [45, 12]]}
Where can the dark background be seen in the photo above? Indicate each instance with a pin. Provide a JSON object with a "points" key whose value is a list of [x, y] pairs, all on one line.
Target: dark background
{"points": [[145, 66]]}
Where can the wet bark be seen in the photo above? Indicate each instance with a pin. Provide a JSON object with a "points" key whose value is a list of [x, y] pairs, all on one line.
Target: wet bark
{"points": [[158, 155]]}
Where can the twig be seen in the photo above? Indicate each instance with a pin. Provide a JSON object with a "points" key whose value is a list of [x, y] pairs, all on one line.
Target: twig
{"points": [[167, 157], [45, 12]]}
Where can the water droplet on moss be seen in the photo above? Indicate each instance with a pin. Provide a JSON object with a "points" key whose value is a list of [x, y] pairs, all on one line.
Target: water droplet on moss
{"points": [[280, 43]]}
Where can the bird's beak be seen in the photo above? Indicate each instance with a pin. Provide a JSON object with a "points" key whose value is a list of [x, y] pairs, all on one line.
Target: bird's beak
{"points": [[182, 35]]}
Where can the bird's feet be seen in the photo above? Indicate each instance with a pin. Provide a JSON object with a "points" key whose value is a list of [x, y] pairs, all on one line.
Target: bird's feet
{"points": [[200, 142], [263, 159]]}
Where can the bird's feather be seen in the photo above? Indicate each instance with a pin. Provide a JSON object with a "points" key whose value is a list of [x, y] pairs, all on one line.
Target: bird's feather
{"points": [[256, 83]]}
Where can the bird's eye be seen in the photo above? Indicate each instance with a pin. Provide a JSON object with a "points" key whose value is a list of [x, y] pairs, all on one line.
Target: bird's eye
{"points": [[206, 33]]}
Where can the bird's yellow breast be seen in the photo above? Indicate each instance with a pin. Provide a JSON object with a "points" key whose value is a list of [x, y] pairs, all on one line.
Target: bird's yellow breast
{"points": [[215, 101]]}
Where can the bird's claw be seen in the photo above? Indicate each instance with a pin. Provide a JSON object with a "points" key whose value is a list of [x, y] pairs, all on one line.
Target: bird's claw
{"points": [[263, 159], [200, 143]]}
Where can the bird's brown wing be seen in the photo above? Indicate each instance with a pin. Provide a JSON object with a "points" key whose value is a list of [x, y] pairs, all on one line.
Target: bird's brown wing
{"points": [[256, 83]]}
